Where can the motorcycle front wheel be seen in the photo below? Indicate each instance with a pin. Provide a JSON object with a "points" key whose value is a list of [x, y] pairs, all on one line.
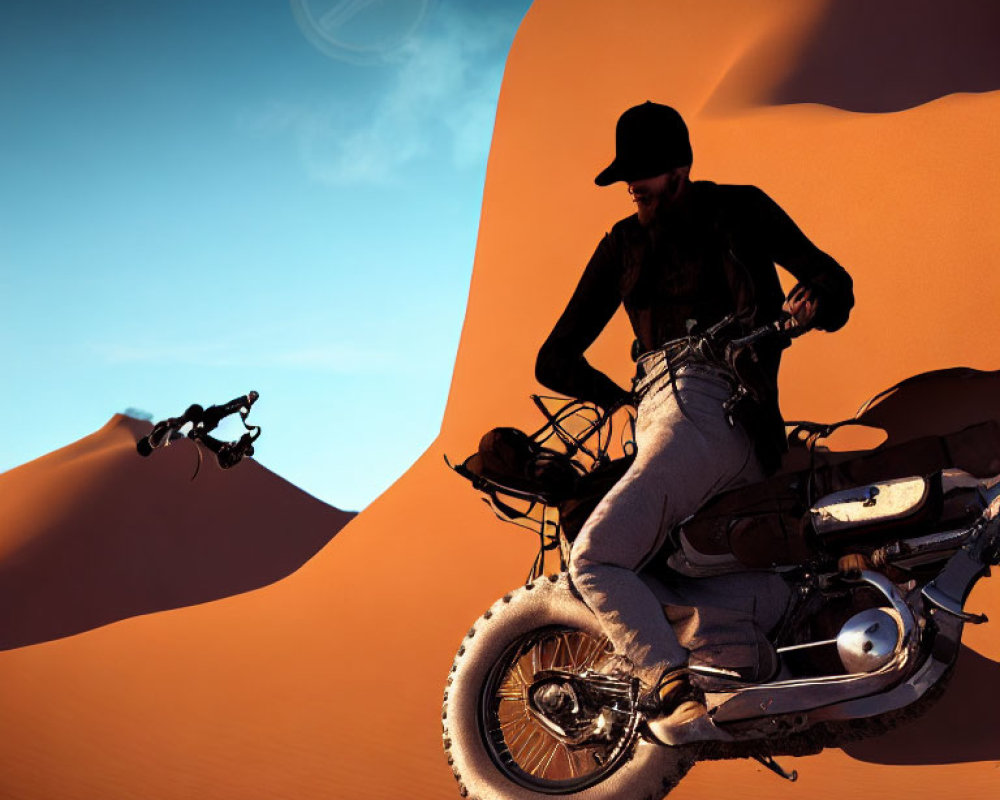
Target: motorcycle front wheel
{"points": [[498, 749]]}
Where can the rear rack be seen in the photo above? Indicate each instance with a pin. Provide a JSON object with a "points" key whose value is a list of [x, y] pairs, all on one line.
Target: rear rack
{"points": [[577, 435]]}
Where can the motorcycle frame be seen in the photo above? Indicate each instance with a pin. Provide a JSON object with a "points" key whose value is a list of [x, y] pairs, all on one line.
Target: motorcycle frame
{"points": [[932, 617]]}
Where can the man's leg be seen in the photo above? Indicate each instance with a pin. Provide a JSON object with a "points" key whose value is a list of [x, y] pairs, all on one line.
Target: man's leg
{"points": [[686, 452]]}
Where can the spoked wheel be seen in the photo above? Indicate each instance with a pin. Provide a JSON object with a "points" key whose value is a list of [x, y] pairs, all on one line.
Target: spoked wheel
{"points": [[501, 748], [523, 748]]}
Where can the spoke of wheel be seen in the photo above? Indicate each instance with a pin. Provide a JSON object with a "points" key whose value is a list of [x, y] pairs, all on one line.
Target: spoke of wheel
{"points": [[587, 652], [555, 653], [520, 674], [526, 727], [570, 760], [518, 755], [542, 767], [595, 650], [536, 656], [503, 726], [510, 682], [532, 760], [574, 657], [510, 694], [527, 759]]}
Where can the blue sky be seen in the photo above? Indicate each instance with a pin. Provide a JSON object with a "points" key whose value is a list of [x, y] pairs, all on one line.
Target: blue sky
{"points": [[202, 198]]}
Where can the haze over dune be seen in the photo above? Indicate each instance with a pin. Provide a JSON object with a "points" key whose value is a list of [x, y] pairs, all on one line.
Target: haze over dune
{"points": [[327, 684]]}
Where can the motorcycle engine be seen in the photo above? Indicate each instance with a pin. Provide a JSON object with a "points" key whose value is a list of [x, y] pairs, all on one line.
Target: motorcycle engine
{"points": [[869, 640]]}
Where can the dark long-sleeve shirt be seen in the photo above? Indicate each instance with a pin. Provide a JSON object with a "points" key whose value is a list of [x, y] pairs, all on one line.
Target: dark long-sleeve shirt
{"points": [[712, 255]]}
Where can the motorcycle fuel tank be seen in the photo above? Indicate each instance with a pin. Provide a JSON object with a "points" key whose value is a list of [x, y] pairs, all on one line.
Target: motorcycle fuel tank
{"points": [[877, 502]]}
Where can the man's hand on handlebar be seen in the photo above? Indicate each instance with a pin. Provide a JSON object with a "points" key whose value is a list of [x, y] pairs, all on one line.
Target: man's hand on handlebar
{"points": [[852, 564], [801, 305]]}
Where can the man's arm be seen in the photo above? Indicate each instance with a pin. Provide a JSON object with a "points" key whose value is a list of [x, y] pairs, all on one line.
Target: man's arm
{"points": [[820, 276], [561, 365]]}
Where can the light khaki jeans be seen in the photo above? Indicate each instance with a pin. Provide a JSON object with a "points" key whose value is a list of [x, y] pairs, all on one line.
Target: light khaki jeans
{"points": [[686, 452]]}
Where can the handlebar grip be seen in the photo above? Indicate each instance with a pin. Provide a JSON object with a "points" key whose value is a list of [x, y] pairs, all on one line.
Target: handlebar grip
{"points": [[155, 438], [213, 415], [781, 329], [754, 336], [246, 401], [230, 455], [161, 430]]}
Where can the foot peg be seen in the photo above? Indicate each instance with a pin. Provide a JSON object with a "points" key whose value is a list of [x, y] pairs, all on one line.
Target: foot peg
{"points": [[940, 600]]}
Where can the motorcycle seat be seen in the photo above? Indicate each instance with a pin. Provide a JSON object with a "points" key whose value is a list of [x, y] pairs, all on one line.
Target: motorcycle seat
{"points": [[843, 500]]}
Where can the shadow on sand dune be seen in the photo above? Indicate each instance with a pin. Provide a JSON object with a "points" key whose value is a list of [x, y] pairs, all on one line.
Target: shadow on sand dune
{"points": [[960, 727], [103, 534], [890, 55]]}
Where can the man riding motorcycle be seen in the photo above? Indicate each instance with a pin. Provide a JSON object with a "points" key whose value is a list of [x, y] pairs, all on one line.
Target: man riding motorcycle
{"points": [[694, 269]]}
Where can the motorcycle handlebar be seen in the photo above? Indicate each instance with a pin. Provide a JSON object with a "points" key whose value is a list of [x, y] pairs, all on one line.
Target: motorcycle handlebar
{"points": [[782, 328], [203, 421], [162, 430], [213, 415]]}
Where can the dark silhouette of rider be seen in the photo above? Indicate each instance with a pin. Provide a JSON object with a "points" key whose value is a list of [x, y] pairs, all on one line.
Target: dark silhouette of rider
{"points": [[696, 258]]}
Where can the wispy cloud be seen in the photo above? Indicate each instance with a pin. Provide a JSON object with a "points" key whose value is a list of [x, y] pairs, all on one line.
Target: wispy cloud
{"points": [[339, 358], [443, 89]]}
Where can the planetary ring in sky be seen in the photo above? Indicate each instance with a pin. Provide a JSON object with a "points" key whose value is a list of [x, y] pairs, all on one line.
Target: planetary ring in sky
{"points": [[360, 31]]}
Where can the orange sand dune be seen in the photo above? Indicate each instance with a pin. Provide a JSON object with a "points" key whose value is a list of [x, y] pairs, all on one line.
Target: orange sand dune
{"points": [[327, 684], [93, 533]]}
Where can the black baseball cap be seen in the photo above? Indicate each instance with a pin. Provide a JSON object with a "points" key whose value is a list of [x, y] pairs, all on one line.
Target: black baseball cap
{"points": [[650, 139]]}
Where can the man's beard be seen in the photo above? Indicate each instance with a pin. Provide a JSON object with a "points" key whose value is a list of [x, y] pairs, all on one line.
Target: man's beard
{"points": [[646, 206], [659, 207]]}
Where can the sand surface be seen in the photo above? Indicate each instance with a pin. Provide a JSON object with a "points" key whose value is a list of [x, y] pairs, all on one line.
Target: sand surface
{"points": [[138, 663]]}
